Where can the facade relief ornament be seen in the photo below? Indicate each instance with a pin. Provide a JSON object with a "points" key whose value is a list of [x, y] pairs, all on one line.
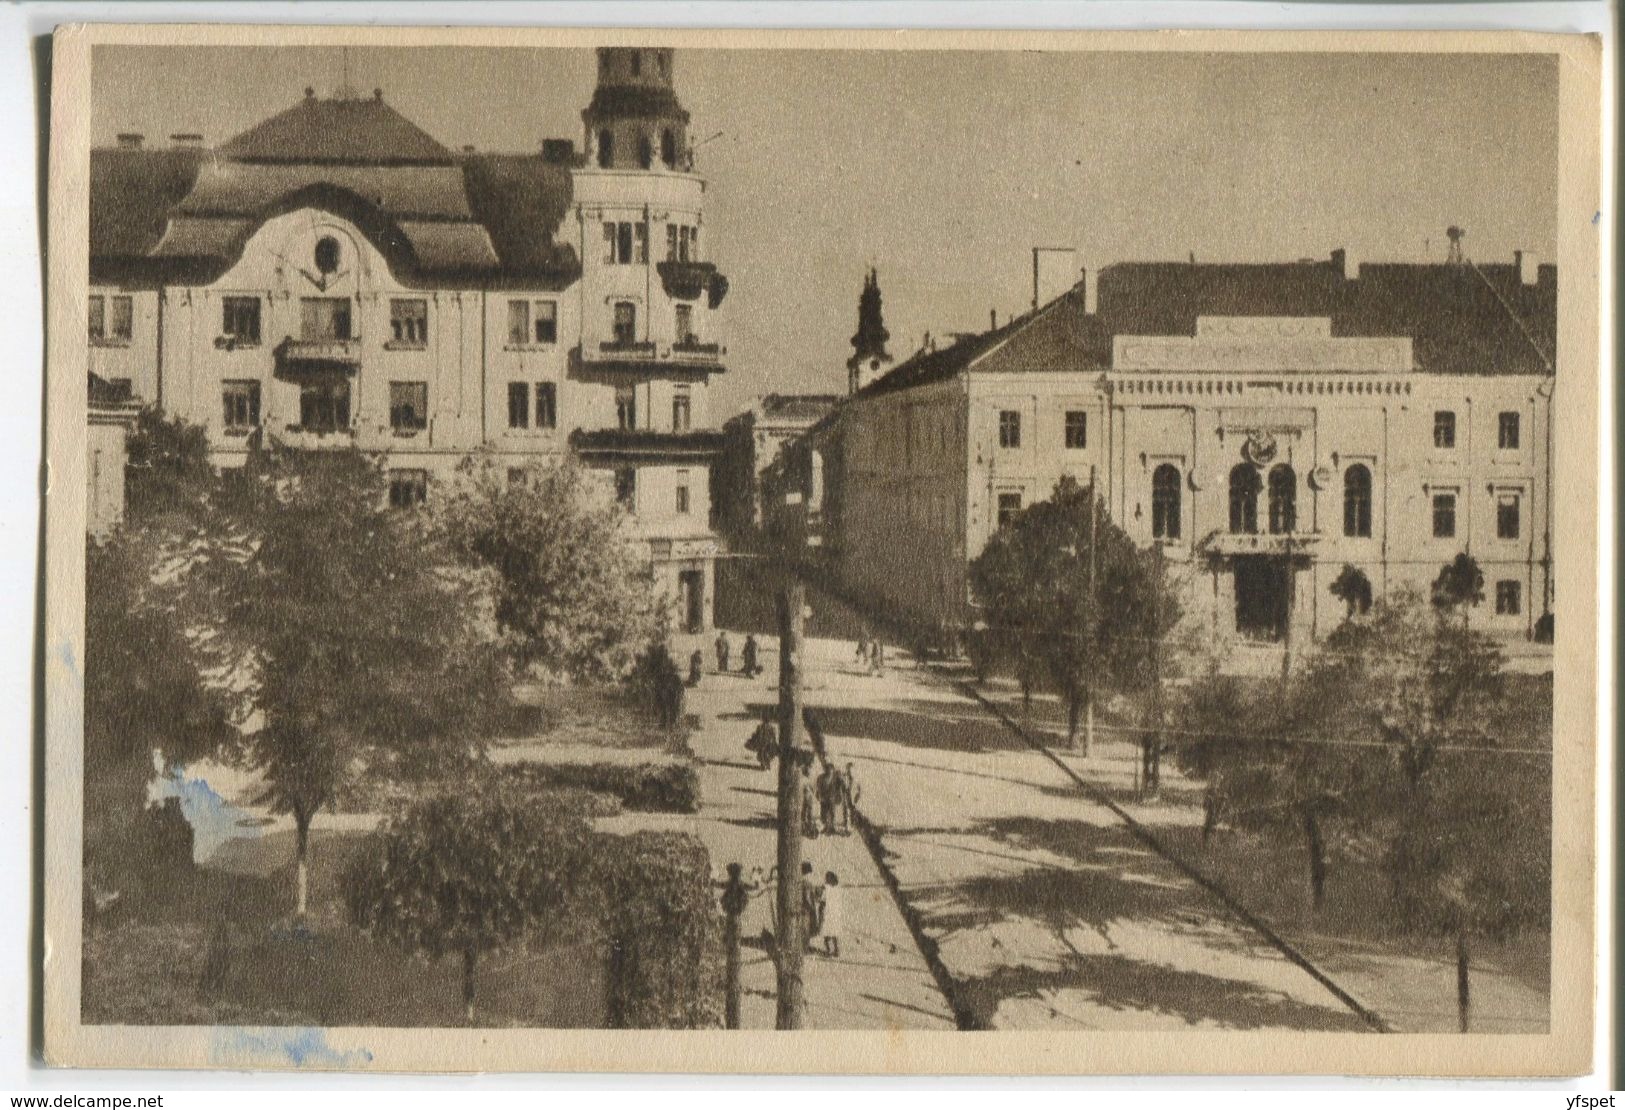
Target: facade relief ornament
{"points": [[1260, 448]]}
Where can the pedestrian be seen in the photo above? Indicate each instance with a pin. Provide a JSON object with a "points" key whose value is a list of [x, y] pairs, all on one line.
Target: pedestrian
{"points": [[863, 647], [812, 902], [696, 664], [809, 819], [764, 742], [829, 796], [748, 657], [877, 658], [831, 925], [724, 650], [671, 700], [848, 791]]}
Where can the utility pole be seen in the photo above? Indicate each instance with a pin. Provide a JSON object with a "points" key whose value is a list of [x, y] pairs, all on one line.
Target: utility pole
{"points": [[734, 898], [791, 942], [1291, 589], [1152, 753], [1089, 694]]}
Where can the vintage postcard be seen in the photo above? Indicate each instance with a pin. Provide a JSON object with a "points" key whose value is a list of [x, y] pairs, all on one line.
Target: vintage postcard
{"points": [[635, 550]]}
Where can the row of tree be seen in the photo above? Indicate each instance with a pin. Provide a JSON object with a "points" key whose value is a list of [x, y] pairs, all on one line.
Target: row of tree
{"points": [[1383, 737]]}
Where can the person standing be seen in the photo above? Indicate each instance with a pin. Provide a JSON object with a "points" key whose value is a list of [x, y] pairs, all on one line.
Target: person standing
{"points": [[848, 790], [696, 664], [877, 658], [832, 925], [809, 819], [829, 796], [812, 902], [764, 741], [724, 650], [863, 648], [748, 657]]}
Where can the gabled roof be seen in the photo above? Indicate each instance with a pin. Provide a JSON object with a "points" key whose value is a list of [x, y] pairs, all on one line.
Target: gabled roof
{"points": [[1475, 319], [340, 130], [798, 406]]}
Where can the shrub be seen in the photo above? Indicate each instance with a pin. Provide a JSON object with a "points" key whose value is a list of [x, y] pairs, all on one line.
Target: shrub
{"points": [[660, 787], [660, 929]]}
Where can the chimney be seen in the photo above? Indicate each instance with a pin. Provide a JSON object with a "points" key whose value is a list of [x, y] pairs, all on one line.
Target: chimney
{"points": [[558, 151], [468, 148], [1528, 267], [186, 139], [1347, 262], [1091, 290], [992, 319], [1053, 270], [130, 140]]}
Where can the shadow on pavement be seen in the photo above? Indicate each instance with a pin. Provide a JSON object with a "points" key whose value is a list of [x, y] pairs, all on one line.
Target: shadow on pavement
{"points": [[920, 724]]}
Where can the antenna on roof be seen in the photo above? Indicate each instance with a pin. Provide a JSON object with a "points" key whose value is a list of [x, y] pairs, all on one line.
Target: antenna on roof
{"points": [[1455, 257], [344, 91]]}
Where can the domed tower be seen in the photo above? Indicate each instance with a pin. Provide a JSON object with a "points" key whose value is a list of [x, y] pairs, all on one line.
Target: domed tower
{"points": [[634, 120]]}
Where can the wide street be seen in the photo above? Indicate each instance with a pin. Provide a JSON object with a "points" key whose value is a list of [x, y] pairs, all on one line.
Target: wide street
{"points": [[1040, 906]]}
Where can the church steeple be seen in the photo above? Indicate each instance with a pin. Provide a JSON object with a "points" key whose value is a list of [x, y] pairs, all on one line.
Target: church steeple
{"points": [[869, 344]]}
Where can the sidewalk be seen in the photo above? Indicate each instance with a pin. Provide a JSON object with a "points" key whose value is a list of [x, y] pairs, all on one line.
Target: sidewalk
{"points": [[1047, 912], [880, 981]]}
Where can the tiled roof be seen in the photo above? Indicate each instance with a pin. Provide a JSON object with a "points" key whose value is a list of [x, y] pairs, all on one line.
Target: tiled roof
{"points": [[798, 406], [345, 131], [1462, 319]]}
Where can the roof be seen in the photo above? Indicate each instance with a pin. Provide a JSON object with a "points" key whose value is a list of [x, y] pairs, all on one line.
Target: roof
{"points": [[186, 214], [798, 406], [1472, 319], [340, 130]]}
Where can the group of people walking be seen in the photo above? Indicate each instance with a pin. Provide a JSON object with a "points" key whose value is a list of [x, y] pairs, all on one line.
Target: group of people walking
{"points": [[835, 793], [750, 664], [871, 654]]}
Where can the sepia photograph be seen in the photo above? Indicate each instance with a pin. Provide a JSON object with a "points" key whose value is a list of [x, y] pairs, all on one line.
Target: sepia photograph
{"points": [[589, 532]]}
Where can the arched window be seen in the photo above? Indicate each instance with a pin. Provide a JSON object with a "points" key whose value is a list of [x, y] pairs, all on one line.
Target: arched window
{"points": [[646, 153], [1243, 498], [606, 148], [668, 148], [1357, 501], [1283, 500], [1165, 502]]}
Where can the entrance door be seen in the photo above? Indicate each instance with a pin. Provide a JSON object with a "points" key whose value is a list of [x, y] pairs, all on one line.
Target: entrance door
{"points": [[1263, 596], [691, 599]]}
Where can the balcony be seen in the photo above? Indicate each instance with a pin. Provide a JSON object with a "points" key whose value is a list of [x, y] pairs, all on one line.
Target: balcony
{"points": [[687, 280], [1227, 544], [316, 355], [628, 349]]}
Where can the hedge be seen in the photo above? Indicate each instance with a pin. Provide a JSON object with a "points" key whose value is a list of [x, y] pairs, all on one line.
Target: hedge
{"points": [[661, 931], [670, 786]]}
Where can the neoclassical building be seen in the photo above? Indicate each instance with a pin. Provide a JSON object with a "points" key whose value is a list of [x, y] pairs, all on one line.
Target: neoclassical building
{"points": [[1267, 425], [336, 276]]}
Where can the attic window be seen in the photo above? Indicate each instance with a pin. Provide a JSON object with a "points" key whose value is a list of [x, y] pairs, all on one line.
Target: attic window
{"points": [[606, 148], [327, 254], [646, 156]]}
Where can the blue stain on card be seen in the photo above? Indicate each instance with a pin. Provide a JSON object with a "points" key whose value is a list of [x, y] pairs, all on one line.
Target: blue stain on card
{"points": [[213, 819], [64, 651], [272, 1048]]}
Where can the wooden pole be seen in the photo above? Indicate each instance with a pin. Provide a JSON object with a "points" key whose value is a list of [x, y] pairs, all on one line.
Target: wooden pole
{"points": [[1089, 694], [792, 939], [734, 898]]}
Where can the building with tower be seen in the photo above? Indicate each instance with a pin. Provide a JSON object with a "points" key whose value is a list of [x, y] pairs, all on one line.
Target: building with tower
{"points": [[869, 355], [334, 275]]}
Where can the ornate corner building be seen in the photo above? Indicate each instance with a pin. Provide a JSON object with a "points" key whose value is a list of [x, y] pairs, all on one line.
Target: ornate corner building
{"points": [[334, 276]]}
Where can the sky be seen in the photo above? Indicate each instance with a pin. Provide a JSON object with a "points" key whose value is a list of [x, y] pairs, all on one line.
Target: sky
{"points": [[943, 169]]}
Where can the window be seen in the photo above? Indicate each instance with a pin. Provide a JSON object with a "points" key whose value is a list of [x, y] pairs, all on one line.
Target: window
{"points": [[518, 405], [409, 322], [1506, 516], [1283, 500], [626, 408], [606, 148], [408, 406], [324, 318], [1244, 485], [626, 323], [1444, 431], [111, 319], [685, 324], [626, 242], [626, 486], [668, 148], [1357, 501], [680, 411], [516, 475], [408, 488], [240, 320], [324, 405], [610, 256], [671, 242], [623, 243], [1077, 430], [1009, 508], [326, 255], [1009, 428], [682, 243], [518, 322], [1508, 597], [547, 321], [1165, 499], [1508, 432], [241, 402], [547, 405], [646, 152], [1444, 515], [682, 493]]}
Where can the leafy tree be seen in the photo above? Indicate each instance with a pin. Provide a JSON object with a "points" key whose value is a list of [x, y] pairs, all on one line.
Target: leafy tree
{"points": [[657, 685], [1352, 588], [468, 873], [1459, 586], [167, 468], [574, 595], [362, 643], [1089, 629], [147, 709]]}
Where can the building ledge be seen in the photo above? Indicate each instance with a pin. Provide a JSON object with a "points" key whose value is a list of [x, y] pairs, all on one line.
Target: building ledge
{"points": [[1260, 543], [621, 443]]}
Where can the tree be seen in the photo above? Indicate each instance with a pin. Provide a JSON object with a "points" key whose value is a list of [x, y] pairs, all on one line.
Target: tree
{"points": [[167, 469], [1352, 588], [147, 709], [468, 873], [362, 641], [1459, 586], [1090, 619], [574, 595]]}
